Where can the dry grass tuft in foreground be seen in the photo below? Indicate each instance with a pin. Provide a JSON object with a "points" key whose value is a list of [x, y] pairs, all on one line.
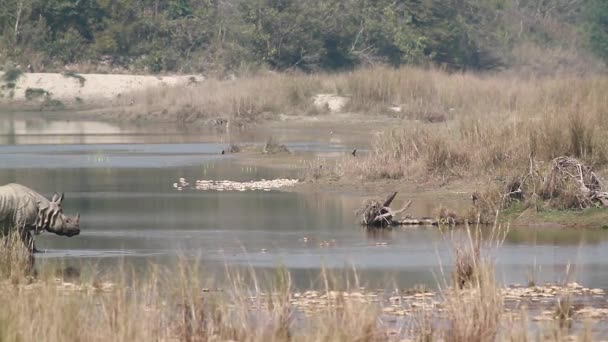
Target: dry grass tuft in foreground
{"points": [[175, 304], [475, 304], [16, 261]]}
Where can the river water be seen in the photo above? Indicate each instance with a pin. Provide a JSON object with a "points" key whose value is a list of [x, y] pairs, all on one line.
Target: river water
{"points": [[121, 179]]}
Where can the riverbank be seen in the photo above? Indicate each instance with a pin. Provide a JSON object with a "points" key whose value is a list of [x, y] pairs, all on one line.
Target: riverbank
{"points": [[74, 91], [406, 130]]}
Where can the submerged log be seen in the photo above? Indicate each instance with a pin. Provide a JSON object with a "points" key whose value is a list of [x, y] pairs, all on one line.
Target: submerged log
{"points": [[375, 214], [418, 222]]}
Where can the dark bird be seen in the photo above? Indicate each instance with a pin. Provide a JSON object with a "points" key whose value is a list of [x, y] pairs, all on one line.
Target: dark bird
{"points": [[475, 197], [354, 152], [223, 152]]}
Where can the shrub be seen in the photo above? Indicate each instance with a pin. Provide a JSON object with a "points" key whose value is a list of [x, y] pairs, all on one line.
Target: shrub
{"points": [[273, 147], [11, 74], [76, 76], [475, 304], [35, 93], [53, 104]]}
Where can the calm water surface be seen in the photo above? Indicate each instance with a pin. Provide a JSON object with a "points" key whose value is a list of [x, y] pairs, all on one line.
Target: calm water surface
{"points": [[120, 180]]}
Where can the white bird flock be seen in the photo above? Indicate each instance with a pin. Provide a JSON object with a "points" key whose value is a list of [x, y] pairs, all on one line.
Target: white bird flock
{"points": [[227, 185]]}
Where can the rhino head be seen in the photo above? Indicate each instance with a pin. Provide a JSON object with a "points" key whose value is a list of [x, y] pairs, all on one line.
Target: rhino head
{"points": [[51, 218]]}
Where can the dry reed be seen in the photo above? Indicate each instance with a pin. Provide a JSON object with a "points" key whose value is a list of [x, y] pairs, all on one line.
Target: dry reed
{"points": [[174, 304], [455, 124], [495, 122], [240, 101]]}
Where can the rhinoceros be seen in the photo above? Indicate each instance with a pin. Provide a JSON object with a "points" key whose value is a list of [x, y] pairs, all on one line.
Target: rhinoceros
{"points": [[24, 210]]}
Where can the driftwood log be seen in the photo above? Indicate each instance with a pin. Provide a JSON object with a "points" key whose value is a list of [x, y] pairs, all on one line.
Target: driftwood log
{"points": [[377, 214], [590, 188]]}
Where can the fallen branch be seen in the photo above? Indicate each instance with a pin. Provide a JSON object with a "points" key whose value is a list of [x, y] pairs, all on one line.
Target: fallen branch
{"points": [[590, 189], [375, 214]]}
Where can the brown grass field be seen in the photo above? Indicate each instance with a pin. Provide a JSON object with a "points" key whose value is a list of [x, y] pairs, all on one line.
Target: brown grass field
{"points": [[455, 124], [482, 129]]}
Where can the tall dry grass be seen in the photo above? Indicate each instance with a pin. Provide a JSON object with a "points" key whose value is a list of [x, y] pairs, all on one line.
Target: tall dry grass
{"points": [[455, 124], [239, 101], [174, 304], [493, 122], [474, 303], [16, 262]]}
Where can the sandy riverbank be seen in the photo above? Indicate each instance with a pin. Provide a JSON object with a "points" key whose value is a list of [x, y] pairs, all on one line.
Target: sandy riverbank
{"points": [[88, 88]]}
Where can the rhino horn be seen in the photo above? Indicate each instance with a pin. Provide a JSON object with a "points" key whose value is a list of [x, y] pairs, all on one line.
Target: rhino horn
{"points": [[78, 217]]}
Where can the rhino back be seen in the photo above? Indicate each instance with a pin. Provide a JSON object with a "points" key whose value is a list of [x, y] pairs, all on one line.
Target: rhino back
{"points": [[16, 198]]}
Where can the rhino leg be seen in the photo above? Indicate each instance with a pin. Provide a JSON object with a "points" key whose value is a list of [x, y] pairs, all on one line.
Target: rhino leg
{"points": [[28, 240]]}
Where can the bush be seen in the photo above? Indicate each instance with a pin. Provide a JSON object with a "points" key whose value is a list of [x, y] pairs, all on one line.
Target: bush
{"points": [[273, 147], [597, 27], [68, 48], [53, 104], [11, 74], [34, 93], [76, 76]]}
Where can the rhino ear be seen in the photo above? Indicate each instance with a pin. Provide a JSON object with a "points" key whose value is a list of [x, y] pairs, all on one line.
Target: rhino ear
{"points": [[57, 198]]}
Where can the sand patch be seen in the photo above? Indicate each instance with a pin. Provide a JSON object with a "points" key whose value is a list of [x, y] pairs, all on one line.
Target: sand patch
{"points": [[91, 87]]}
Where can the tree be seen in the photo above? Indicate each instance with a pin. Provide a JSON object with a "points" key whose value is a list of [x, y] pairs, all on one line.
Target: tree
{"points": [[597, 27], [12, 15], [83, 16]]}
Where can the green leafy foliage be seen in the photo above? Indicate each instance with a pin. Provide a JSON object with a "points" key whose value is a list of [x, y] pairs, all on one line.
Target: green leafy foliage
{"points": [[35, 93], [11, 74], [220, 35], [75, 76], [597, 27]]}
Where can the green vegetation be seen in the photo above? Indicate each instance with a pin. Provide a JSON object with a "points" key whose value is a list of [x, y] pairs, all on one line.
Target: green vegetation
{"points": [[11, 75], [236, 35], [76, 76], [9, 85], [52, 104], [597, 27], [47, 100], [35, 93], [587, 218]]}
